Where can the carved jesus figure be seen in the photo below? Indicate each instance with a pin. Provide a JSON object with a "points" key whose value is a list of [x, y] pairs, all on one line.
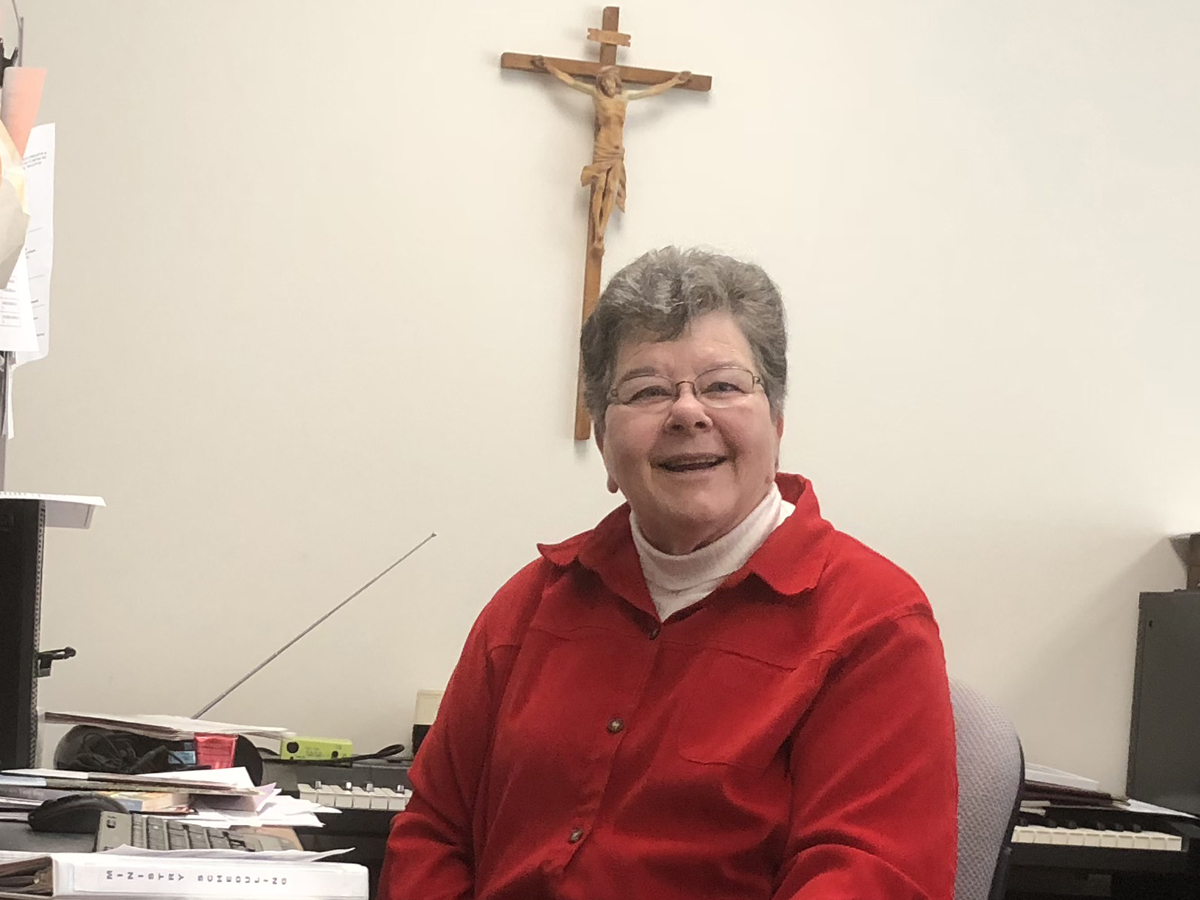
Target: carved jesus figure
{"points": [[606, 174]]}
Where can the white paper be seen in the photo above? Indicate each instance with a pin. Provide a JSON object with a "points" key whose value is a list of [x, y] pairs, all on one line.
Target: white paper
{"points": [[279, 809], [1048, 775], [62, 510], [259, 855], [39, 241], [237, 776], [253, 820], [17, 331], [252, 803], [1140, 806]]}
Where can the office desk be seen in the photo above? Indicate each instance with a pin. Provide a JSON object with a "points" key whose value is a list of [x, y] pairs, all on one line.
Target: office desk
{"points": [[20, 837]]}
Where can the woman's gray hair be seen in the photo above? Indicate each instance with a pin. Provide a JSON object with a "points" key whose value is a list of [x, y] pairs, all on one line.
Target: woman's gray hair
{"points": [[656, 296]]}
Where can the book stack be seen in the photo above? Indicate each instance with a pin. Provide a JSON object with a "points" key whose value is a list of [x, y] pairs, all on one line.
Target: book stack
{"points": [[1047, 788], [131, 872], [1056, 787], [25, 789]]}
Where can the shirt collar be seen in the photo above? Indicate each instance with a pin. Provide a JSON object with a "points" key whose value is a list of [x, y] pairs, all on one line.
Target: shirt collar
{"points": [[714, 562], [790, 561]]}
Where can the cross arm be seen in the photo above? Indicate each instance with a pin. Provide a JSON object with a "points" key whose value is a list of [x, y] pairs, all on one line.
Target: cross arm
{"points": [[655, 90], [540, 62], [629, 74]]}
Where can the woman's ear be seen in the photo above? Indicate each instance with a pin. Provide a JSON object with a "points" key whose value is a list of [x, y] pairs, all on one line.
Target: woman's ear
{"points": [[612, 485]]}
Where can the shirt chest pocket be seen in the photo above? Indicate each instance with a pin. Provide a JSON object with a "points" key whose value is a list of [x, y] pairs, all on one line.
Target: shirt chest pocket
{"points": [[742, 712]]}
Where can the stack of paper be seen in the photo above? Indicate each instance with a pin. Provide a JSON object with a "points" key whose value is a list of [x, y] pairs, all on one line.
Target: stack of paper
{"points": [[167, 728], [218, 798], [1059, 778], [265, 806]]}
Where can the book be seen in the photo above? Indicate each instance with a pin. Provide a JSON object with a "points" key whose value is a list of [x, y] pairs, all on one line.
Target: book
{"points": [[105, 875], [64, 780], [151, 801], [18, 796]]}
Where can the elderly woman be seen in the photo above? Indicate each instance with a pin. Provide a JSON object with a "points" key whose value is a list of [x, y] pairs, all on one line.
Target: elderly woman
{"points": [[713, 693]]}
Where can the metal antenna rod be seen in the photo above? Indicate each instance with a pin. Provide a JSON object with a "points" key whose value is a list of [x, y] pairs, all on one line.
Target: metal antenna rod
{"points": [[20, 34], [276, 654]]}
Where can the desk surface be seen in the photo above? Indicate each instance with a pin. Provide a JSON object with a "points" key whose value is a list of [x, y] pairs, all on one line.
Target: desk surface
{"points": [[19, 836]]}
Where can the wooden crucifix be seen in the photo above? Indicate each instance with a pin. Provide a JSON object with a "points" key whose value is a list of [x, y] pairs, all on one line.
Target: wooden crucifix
{"points": [[605, 176]]}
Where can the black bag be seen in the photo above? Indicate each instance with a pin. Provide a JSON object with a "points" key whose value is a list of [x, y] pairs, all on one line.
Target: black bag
{"points": [[89, 748]]}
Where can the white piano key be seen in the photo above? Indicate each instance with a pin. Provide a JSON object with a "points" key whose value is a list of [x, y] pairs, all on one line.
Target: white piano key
{"points": [[307, 792], [380, 797]]}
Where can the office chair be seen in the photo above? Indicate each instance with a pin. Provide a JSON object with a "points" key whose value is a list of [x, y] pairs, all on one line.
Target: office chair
{"points": [[991, 772]]}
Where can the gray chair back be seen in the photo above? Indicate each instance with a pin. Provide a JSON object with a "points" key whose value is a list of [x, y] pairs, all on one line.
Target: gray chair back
{"points": [[991, 771]]}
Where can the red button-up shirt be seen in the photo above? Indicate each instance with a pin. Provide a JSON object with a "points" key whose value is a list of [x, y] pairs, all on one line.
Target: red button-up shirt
{"points": [[788, 736]]}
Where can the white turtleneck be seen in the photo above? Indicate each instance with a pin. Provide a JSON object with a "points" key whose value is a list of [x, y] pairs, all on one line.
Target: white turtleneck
{"points": [[676, 582]]}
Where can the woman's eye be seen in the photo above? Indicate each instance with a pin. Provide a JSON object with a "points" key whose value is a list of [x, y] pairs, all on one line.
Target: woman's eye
{"points": [[649, 392], [723, 387]]}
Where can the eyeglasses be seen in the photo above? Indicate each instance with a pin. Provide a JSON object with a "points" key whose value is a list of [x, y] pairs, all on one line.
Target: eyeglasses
{"points": [[717, 388]]}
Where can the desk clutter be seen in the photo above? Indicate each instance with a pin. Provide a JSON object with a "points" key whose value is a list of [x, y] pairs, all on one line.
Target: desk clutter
{"points": [[217, 797], [212, 840], [307, 822]]}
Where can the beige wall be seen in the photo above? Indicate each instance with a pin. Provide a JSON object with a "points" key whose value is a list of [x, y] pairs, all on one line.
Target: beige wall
{"points": [[317, 282]]}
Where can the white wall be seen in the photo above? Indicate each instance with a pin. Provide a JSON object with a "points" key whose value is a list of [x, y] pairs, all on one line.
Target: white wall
{"points": [[317, 287]]}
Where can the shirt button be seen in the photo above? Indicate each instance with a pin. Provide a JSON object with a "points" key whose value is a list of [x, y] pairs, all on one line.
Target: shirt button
{"points": [[655, 632], [576, 834], [615, 725]]}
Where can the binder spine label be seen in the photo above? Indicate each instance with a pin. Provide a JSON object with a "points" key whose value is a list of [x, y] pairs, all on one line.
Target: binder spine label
{"points": [[94, 876], [163, 879]]}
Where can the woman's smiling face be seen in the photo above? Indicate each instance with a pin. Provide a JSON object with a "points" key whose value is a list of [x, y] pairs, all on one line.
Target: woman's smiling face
{"points": [[691, 472]]}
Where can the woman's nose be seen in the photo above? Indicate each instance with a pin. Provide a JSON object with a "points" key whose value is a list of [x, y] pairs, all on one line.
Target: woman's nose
{"points": [[686, 410]]}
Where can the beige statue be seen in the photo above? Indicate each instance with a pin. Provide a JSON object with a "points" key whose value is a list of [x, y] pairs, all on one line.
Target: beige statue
{"points": [[606, 174]]}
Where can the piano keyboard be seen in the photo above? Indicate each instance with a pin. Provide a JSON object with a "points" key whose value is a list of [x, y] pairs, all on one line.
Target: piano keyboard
{"points": [[1091, 837], [351, 797]]}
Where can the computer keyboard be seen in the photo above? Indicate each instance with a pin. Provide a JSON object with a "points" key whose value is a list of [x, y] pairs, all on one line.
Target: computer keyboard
{"points": [[162, 833]]}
